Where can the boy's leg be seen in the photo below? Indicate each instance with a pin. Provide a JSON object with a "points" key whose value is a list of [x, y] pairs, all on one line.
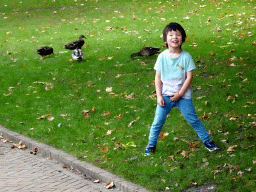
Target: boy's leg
{"points": [[187, 108], [160, 117]]}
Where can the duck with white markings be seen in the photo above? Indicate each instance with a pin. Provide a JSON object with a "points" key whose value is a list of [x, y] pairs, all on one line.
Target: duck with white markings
{"points": [[77, 54]]}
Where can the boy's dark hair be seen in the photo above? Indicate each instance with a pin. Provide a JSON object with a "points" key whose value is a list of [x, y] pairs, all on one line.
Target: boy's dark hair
{"points": [[174, 27]]}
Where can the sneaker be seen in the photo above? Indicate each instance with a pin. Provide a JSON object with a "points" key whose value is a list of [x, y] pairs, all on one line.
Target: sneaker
{"points": [[211, 146], [149, 150]]}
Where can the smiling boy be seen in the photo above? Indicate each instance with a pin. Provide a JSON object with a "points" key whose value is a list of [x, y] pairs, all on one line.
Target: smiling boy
{"points": [[174, 72]]}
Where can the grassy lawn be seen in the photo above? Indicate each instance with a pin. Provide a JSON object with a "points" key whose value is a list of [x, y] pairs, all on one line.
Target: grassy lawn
{"points": [[100, 109]]}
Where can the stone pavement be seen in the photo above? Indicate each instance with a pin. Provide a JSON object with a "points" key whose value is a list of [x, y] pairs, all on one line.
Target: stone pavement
{"points": [[50, 170]]}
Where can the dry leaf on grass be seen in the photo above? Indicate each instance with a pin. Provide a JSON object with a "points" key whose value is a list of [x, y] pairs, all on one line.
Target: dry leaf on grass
{"points": [[51, 118], [231, 148], [106, 113], [132, 122], [43, 116], [109, 132], [105, 149], [131, 96], [171, 157], [109, 89], [86, 113], [163, 135]]}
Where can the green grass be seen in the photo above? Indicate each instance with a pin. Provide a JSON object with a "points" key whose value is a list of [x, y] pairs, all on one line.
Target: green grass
{"points": [[220, 37]]}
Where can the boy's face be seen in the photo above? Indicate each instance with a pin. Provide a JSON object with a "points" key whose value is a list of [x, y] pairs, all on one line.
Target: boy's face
{"points": [[174, 39]]}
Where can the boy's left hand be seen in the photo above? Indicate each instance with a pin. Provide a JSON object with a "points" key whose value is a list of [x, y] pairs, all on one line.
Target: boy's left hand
{"points": [[175, 97]]}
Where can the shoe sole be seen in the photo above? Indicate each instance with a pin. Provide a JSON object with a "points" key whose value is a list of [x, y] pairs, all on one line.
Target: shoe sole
{"points": [[211, 150]]}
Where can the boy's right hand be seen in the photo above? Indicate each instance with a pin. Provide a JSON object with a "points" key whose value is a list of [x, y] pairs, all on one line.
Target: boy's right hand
{"points": [[160, 101]]}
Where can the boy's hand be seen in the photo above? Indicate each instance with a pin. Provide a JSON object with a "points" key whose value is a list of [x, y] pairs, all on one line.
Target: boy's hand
{"points": [[175, 97], [160, 101]]}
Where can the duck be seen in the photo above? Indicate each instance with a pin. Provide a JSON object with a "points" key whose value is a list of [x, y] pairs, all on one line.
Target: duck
{"points": [[77, 54], [146, 51], [76, 44], [45, 50]]}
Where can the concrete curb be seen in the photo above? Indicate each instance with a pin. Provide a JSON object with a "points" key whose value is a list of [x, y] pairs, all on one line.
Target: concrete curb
{"points": [[69, 160]]}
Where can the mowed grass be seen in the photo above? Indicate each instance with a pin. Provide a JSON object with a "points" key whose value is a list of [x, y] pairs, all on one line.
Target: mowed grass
{"points": [[100, 109]]}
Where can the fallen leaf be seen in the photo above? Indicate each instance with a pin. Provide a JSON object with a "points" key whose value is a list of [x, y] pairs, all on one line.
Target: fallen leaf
{"points": [[240, 173], [233, 118], [130, 144], [118, 75], [19, 146], [109, 132], [249, 169], [96, 181], [163, 135], [171, 157], [109, 89], [43, 116], [51, 118], [106, 113], [34, 152], [118, 116], [119, 146], [105, 149], [64, 115], [184, 154], [131, 96], [175, 138], [110, 185], [86, 113], [231, 148], [132, 122]]}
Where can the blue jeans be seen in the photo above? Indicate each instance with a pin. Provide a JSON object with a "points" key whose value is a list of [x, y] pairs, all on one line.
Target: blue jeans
{"points": [[187, 108]]}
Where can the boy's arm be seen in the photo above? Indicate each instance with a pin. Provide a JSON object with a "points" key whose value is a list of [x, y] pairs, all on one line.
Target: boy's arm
{"points": [[183, 89], [158, 85]]}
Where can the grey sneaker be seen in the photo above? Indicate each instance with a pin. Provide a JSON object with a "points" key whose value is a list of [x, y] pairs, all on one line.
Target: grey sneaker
{"points": [[149, 150], [211, 146]]}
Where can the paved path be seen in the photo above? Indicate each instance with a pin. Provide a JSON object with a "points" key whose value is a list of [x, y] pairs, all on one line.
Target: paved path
{"points": [[24, 172], [50, 170]]}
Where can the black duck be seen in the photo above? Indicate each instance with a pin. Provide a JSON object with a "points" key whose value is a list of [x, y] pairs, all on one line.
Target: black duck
{"points": [[77, 54], [146, 51], [76, 44], [45, 50]]}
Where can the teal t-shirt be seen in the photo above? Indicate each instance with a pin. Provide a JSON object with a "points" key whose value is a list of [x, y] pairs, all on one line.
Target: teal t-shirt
{"points": [[173, 72]]}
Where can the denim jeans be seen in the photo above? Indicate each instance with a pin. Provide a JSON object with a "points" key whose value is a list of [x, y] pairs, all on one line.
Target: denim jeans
{"points": [[187, 108]]}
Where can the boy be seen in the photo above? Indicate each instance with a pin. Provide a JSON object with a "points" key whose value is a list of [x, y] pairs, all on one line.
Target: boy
{"points": [[174, 71]]}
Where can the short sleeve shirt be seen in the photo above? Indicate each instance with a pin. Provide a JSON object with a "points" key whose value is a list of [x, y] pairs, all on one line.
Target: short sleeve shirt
{"points": [[173, 72]]}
